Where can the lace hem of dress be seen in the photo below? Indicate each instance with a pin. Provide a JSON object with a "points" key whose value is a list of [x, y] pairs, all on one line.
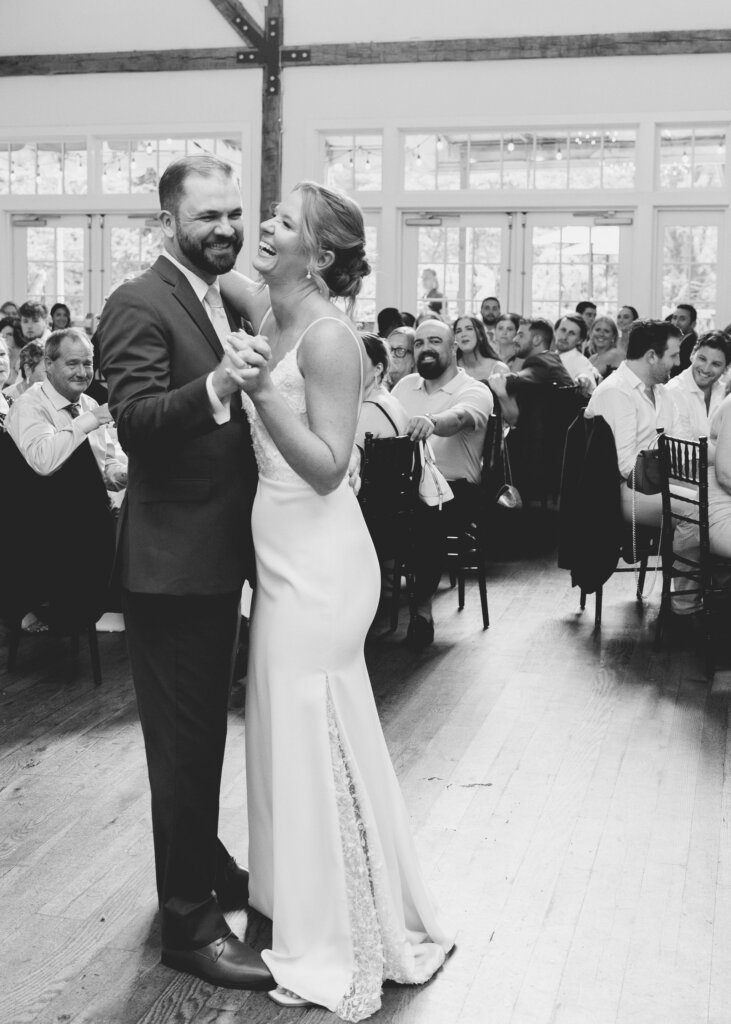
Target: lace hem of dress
{"points": [[363, 996]]}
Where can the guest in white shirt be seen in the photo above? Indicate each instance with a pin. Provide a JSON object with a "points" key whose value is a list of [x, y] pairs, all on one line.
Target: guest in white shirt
{"points": [[635, 403], [51, 419], [699, 390], [571, 333]]}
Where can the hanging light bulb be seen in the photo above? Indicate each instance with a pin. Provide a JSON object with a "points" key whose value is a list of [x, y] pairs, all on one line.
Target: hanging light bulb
{"points": [[149, 149], [350, 159], [511, 146], [418, 157], [368, 162], [559, 154]]}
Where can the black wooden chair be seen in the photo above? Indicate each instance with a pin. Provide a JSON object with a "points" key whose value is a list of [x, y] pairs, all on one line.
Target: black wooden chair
{"points": [[388, 496], [684, 466], [59, 550]]}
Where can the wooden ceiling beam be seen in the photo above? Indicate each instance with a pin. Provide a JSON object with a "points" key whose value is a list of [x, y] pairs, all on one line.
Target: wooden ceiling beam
{"points": [[240, 21], [626, 44], [622, 44], [214, 59]]}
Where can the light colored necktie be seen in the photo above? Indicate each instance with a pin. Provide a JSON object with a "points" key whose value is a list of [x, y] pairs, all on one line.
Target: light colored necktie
{"points": [[217, 313]]}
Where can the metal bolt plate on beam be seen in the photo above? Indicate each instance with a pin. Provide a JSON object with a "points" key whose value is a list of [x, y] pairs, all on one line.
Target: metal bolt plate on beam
{"points": [[295, 56], [247, 57]]}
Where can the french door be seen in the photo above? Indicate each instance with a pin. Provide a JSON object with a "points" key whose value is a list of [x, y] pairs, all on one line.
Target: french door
{"points": [[537, 264], [80, 259]]}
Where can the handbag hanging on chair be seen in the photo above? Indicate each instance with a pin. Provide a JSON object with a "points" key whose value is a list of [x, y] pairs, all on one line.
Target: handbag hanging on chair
{"points": [[433, 487]]}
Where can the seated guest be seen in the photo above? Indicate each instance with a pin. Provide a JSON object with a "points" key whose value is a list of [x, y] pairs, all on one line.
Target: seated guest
{"points": [[685, 316], [635, 403], [506, 329], [605, 352], [34, 321], [587, 311], [32, 370], [475, 354], [450, 409], [625, 318], [9, 309], [381, 413], [401, 350], [387, 320], [685, 539], [60, 316], [540, 366], [698, 391], [571, 332], [408, 318], [54, 417], [4, 374], [62, 434]]}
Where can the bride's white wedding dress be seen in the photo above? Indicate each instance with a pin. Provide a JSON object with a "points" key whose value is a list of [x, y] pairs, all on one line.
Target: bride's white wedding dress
{"points": [[331, 858]]}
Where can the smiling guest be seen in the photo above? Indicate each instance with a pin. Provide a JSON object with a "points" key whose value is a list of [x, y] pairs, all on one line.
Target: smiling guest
{"points": [[605, 350], [699, 390], [450, 409], [475, 353], [571, 332]]}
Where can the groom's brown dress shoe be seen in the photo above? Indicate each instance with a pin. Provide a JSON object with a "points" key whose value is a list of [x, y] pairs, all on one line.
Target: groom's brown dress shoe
{"points": [[232, 887], [226, 961]]}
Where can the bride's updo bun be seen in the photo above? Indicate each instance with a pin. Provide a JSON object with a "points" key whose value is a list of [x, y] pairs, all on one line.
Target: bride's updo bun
{"points": [[332, 222]]}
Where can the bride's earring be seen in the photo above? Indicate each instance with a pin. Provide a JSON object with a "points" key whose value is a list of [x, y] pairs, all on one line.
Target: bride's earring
{"points": [[309, 275]]}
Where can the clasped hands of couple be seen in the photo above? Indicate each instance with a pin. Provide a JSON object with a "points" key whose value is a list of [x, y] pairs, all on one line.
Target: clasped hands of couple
{"points": [[244, 365]]}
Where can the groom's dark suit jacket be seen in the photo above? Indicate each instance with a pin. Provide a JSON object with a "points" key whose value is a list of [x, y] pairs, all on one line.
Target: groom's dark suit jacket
{"points": [[185, 523]]}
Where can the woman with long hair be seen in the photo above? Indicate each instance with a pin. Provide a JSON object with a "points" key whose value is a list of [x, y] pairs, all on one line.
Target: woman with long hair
{"points": [[626, 316], [331, 860], [475, 354], [605, 353]]}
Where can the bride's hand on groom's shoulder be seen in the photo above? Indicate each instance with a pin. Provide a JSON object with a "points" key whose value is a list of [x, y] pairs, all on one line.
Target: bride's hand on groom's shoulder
{"points": [[245, 361]]}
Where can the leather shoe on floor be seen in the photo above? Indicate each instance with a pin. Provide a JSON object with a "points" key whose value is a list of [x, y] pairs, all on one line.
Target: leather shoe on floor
{"points": [[420, 632], [226, 961], [232, 887]]}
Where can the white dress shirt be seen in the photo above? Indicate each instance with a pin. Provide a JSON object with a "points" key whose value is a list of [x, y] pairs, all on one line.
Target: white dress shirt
{"points": [[622, 400], [691, 403], [44, 431], [460, 456], [221, 409], [577, 364]]}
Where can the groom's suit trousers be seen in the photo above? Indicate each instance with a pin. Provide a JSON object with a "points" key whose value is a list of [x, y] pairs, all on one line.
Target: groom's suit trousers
{"points": [[180, 653]]}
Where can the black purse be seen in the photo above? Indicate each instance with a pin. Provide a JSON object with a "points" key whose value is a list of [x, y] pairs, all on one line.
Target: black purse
{"points": [[646, 475]]}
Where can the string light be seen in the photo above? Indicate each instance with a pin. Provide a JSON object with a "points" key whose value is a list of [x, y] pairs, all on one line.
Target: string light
{"points": [[511, 146]]}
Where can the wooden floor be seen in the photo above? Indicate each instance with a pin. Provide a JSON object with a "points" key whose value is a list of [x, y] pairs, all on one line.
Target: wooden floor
{"points": [[569, 795]]}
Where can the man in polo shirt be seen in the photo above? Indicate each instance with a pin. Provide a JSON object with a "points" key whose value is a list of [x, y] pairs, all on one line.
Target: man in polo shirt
{"points": [[450, 409]]}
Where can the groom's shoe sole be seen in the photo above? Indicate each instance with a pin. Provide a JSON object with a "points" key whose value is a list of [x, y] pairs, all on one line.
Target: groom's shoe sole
{"points": [[227, 962]]}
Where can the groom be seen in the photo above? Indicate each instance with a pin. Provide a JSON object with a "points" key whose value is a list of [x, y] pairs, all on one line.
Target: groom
{"points": [[184, 550]]}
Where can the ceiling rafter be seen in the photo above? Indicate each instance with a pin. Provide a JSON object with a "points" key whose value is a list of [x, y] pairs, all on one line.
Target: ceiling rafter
{"points": [[241, 21], [627, 44]]}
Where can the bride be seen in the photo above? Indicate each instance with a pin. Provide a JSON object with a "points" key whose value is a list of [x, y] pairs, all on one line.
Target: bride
{"points": [[331, 859]]}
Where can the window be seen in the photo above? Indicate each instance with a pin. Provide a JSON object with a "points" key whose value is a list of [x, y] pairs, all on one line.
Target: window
{"points": [[516, 159], [364, 314], [689, 264], [692, 157], [43, 168], [571, 261], [135, 165], [55, 266], [354, 163]]}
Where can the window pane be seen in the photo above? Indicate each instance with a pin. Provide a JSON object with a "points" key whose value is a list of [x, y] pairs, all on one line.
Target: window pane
{"points": [[692, 157], [420, 153], [551, 169], [485, 160], [75, 173], [23, 168], [365, 307], [368, 160], [115, 166], [50, 164], [690, 258], [4, 169]]}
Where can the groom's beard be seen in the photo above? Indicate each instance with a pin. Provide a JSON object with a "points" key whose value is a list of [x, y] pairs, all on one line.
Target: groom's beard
{"points": [[215, 257]]}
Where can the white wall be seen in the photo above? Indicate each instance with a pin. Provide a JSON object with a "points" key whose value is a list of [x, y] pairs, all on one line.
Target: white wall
{"points": [[74, 26]]}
